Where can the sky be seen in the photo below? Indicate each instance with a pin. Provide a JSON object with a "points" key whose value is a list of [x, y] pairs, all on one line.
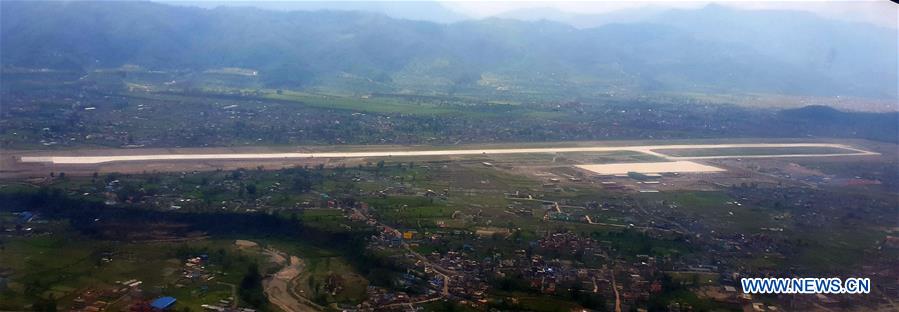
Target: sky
{"points": [[880, 12]]}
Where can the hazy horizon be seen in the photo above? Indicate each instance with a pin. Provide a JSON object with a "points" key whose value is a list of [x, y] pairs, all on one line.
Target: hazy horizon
{"points": [[881, 13]]}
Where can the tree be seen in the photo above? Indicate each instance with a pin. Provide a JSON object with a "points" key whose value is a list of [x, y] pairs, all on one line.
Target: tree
{"points": [[251, 291], [45, 305]]}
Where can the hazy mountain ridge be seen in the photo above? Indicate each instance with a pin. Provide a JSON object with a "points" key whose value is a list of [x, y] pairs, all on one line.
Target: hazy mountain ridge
{"points": [[583, 20], [677, 50], [410, 10]]}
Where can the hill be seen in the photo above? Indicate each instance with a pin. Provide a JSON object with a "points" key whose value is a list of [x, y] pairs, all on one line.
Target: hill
{"points": [[676, 51]]}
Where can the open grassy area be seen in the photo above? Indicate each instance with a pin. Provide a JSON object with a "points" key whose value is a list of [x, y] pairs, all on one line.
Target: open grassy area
{"points": [[720, 212], [63, 265], [330, 279], [378, 105], [530, 302], [753, 151], [695, 278], [834, 246]]}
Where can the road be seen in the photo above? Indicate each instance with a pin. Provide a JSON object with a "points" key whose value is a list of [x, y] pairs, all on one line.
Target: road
{"points": [[443, 272], [617, 295], [646, 149]]}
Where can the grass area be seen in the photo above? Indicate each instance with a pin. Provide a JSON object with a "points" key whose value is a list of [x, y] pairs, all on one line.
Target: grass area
{"points": [[519, 301], [835, 245], [695, 278], [883, 171], [752, 151], [63, 264], [379, 105], [684, 298], [767, 100], [443, 305], [628, 244], [330, 279], [613, 157], [720, 212], [547, 304], [322, 217], [411, 211], [59, 263]]}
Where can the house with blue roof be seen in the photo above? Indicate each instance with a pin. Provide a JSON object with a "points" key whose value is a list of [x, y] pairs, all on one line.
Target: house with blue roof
{"points": [[163, 303]]}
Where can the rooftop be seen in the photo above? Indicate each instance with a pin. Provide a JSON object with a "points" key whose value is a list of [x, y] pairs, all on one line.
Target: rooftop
{"points": [[163, 302]]}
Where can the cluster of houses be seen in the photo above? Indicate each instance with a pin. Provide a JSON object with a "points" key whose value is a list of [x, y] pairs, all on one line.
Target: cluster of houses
{"points": [[95, 300]]}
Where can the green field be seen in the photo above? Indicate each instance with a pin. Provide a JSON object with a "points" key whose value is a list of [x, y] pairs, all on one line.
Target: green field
{"points": [[357, 104], [314, 279], [753, 151], [64, 264]]}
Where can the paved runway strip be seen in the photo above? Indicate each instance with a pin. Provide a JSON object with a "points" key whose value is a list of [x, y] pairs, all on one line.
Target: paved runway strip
{"points": [[647, 149]]}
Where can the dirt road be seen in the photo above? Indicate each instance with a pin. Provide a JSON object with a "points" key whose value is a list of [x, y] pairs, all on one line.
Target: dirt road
{"points": [[278, 288]]}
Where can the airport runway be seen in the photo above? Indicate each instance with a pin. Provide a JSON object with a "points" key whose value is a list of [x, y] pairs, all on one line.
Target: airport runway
{"points": [[647, 149]]}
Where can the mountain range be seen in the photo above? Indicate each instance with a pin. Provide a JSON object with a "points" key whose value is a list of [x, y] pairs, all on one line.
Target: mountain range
{"points": [[714, 49]]}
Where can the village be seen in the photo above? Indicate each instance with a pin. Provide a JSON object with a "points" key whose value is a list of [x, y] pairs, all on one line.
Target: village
{"points": [[497, 231]]}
